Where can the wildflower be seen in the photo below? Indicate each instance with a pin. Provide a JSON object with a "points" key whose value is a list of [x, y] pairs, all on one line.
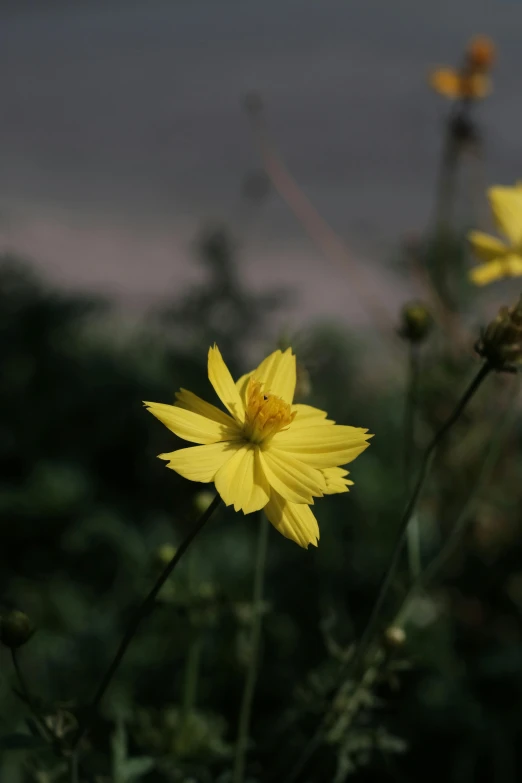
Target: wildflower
{"points": [[265, 453], [500, 259], [453, 84], [501, 341], [416, 322], [472, 80]]}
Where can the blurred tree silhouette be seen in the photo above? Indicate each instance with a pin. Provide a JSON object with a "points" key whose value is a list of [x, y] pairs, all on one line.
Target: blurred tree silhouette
{"points": [[221, 309]]}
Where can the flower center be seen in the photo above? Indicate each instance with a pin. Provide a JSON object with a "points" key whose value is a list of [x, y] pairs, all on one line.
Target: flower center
{"points": [[265, 413]]}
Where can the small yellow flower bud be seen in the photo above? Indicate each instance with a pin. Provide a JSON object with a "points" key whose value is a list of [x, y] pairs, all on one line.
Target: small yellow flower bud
{"points": [[501, 341], [202, 501], [416, 322], [394, 637], [15, 629]]}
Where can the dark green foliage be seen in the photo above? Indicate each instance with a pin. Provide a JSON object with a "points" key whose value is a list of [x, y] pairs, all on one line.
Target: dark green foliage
{"points": [[85, 506]]}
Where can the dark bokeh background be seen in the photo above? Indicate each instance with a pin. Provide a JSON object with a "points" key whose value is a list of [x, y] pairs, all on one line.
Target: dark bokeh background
{"points": [[124, 152]]}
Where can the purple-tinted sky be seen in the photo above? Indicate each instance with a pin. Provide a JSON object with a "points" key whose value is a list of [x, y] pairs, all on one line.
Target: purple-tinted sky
{"points": [[121, 131]]}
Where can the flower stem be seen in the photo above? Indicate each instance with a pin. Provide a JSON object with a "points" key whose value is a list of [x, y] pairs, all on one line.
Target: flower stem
{"points": [[192, 663], [73, 768], [141, 612], [447, 176], [46, 731], [251, 674], [412, 393], [439, 561], [410, 508], [355, 663]]}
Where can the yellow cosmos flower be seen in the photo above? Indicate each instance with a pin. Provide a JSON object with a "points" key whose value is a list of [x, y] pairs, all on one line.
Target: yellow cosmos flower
{"points": [[471, 81], [456, 85], [500, 259], [266, 452]]}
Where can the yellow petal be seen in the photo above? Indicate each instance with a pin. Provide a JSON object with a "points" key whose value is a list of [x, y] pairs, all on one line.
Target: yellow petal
{"points": [[201, 463], [220, 378], [278, 374], [294, 480], [241, 481], [307, 416], [506, 204], [336, 480], [486, 247], [292, 520], [241, 386], [191, 402], [191, 426], [478, 86], [447, 82], [323, 447], [509, 266]]}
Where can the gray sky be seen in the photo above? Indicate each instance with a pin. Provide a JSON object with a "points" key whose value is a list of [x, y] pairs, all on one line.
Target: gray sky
{"points": [[121, 131]]}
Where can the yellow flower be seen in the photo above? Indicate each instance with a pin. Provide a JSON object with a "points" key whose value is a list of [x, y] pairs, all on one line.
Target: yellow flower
{"points": [[500, 259], [471, 81], [265, 453], [454, 84]]}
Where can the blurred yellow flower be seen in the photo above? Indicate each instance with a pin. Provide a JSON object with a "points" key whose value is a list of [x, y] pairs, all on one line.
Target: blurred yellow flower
{"points": [[265, 453], [453, 84], [471, 81], [500, 259]]}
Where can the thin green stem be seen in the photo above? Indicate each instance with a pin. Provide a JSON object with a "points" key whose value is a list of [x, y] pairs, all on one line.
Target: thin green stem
{"points": [[251, 674], [445, 197], [451, 149], [141, 612], [447, 179], [387, 579], [192, 663], [73, 768], [432, 570], [412, 393], [374, 619], [46, 731]]}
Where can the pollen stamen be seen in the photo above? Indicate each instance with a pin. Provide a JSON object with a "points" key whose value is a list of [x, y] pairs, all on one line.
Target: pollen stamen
{"points": [[266, 414]]}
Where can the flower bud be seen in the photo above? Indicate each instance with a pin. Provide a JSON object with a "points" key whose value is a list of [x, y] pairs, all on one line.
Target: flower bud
{"points": [[501, 341], [15, 629], [480, 53], [394, 637], [416, 322]]}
